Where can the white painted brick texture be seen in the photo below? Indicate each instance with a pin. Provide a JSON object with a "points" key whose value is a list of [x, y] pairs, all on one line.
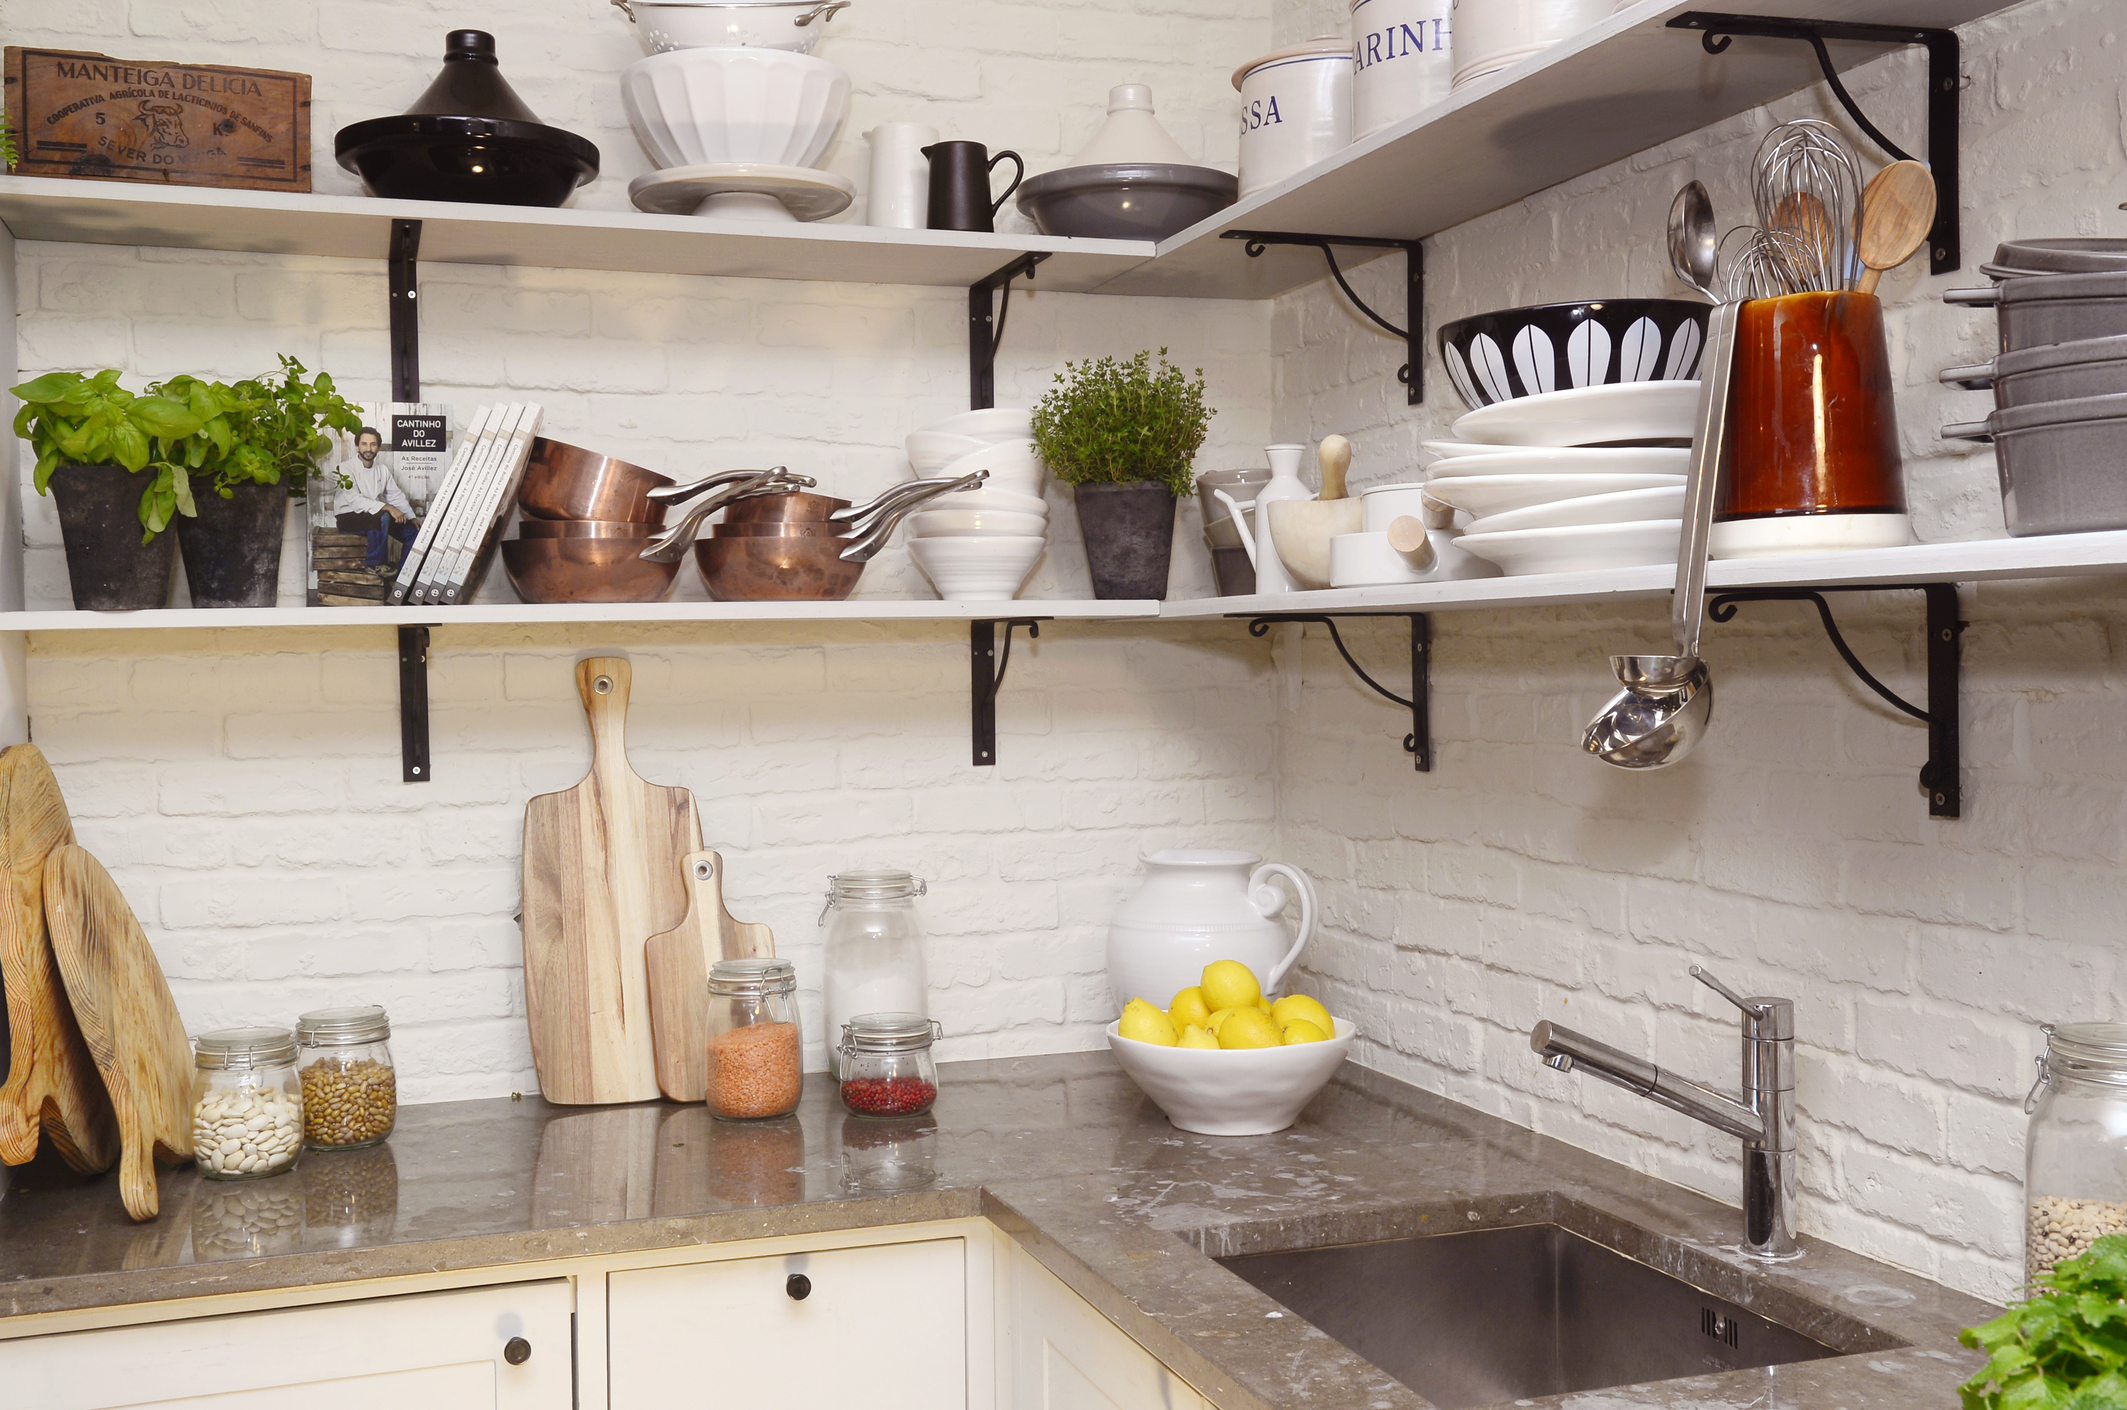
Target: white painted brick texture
{"points": [[1792, 854]]}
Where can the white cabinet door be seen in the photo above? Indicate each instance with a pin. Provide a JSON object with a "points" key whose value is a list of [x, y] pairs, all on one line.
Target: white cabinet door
{"points": [[1066, 1356], [884, 1328], [433, 1351]]}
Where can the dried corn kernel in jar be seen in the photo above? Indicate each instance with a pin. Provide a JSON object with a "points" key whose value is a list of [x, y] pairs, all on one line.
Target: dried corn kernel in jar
{"points": [[350, 1090]]}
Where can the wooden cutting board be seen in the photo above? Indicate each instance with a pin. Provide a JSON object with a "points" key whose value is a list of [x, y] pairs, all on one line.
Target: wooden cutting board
{"points": [[601, 876], [52, 1085], [127, 1017], [679, 976]]}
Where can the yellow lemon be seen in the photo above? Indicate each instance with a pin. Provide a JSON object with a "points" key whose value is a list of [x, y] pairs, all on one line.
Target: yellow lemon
{"points": [[1147, 1024], [1195, 1037], [1263, 1003], [1302, 1031], [1189, 1007], [1248, 1028], [1294, 1006], [1220, 1016], [1229, 984]]}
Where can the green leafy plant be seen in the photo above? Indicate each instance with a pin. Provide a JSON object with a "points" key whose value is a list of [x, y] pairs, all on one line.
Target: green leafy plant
{"points": [[263, 430], [9, 155], [1110, 422], [2065, 1348]]}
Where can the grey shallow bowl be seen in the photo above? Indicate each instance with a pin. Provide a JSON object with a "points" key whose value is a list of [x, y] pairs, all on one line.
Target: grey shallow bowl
{"points": [[1126, 200]]}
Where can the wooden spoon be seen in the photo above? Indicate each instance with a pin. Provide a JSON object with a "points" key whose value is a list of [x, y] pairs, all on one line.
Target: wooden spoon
{"points": [[1897, 211], [1335, 456]]}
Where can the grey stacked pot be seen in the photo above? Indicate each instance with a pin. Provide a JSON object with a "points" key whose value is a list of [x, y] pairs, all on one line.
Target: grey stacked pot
{"points": [[2059, 425]]}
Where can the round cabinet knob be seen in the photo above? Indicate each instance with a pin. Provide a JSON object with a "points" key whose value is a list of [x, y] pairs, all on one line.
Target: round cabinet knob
{"points": [[798, 1286], [516, 1351]]}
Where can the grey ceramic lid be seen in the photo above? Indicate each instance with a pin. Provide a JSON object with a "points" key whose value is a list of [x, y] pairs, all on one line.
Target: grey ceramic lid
{"points": [[2052, 355], [2056, 413], [2069, 256], [2038, 288], [1106, 178]]}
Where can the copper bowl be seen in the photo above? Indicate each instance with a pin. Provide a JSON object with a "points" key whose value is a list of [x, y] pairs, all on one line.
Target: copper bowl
{"points": [[529, 528], [791, 529], [585, 570], [778, 568], [562, 481], [783, 508]]}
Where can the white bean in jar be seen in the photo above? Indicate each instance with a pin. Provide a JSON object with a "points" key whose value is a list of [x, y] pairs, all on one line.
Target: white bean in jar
{"points": [[247, 1132]]}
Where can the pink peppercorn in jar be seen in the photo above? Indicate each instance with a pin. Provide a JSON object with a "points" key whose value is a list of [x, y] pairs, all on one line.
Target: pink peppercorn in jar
{"points": [[887, 1066]]}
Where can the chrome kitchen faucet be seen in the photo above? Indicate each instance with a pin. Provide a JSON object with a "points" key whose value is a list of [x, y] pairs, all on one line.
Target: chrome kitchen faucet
{"points": [[1764, 1119]]}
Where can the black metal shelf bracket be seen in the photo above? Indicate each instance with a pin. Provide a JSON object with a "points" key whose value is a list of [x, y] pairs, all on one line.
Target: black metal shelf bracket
{"points": [[1939, 776], [1944, 84], [413, 705], [1412, 373], [1419, 742], [414, 765], [985, 328], [986, 668]]}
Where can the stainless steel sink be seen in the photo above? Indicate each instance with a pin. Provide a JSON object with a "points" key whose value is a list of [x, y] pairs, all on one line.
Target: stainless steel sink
{"points": [[1502, 1314]]}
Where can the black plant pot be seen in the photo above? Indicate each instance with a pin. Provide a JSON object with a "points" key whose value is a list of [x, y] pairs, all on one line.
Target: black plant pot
{"points": [[110, 569], [1129, 533], [233, 548]]}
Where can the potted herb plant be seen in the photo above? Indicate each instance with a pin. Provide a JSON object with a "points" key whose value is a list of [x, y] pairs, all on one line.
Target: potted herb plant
{"points": [[96, 445], [256, 448], [1123, 436]]}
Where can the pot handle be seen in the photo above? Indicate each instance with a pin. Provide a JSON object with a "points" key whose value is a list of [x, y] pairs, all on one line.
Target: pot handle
{"points": [[1240, 524], [622, 6], [1306, 892], [822, 12], [1019, 174]]}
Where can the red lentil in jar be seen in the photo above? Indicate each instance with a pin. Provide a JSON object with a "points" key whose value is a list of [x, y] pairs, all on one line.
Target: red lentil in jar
{"points": [[887, 1067], [756, 1053]]}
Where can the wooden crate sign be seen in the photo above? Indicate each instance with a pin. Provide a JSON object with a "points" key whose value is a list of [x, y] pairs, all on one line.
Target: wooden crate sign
{"points": [[186, 124]]}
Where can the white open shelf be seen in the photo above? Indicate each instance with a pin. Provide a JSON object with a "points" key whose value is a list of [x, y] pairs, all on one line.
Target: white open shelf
{"points": [[577, 614], [2054, 556], [1624, 86]]}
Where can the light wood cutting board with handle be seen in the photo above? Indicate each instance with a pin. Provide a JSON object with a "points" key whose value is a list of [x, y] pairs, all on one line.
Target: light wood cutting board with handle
{"points": [[601, 876], [127, 1017], [52, 1085], [679, 976]]}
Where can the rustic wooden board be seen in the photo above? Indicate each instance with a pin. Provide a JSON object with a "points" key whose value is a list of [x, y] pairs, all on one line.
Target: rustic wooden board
{"points": [[89, 115], [127, 1017], [52, 1085], [679, 961], [601, 876]]}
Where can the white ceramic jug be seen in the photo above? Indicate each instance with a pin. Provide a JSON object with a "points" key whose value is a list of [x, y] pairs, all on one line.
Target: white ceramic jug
{"points": [[1200, 906], [1285, 483]]}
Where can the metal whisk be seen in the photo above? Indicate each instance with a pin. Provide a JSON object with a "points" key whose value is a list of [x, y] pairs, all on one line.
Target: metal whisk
{"points": [[1762, 264], [1806, 184]]}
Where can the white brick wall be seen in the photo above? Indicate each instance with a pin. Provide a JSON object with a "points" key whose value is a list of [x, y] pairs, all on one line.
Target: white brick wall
{"points": [[1793, 853]]}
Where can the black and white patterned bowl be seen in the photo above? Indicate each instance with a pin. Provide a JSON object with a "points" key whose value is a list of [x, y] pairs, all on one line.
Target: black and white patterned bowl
{"points": [[1521, 352]]}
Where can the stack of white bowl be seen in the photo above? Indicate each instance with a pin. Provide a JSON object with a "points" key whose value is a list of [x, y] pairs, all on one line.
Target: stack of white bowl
{"points": [[980, 543], [1570, 481], [735, 110]]}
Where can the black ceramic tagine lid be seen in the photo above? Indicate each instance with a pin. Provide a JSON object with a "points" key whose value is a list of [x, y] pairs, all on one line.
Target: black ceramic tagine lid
{"points": [[468, 137]]}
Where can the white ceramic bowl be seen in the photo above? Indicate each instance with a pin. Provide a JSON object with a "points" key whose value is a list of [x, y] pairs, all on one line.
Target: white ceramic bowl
{"points": [[1492, 34], [978, 569], [1809, 533], [1383, 505], [1480, 495], [1579, 549], [931, 451], [968, 523], [1233, 1091], [697, 107], [1015, 467], [993, 499], [997, 423], [1589, 416], [1662, 502], [795, 25], [1567, 460]]}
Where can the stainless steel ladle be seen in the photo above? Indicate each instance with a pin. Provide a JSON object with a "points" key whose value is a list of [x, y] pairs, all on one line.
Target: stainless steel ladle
{"points": [[1694, 244], [1660, 716]]}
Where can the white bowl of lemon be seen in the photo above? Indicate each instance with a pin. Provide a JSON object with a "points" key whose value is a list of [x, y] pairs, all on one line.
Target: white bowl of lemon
{"points": [[1244, 1068]]}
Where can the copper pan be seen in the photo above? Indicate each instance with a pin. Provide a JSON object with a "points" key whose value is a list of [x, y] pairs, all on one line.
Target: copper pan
{"points": [[529, 528], [562, 481], [784, 508], [793, 529], [585, 570], [776, 569]]}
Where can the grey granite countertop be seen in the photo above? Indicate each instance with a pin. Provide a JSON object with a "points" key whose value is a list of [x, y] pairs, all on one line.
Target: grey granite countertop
{"points": [[1062, 1152]]}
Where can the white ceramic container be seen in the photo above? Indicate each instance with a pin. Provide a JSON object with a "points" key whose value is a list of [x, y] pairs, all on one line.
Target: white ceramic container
{"points": [[1366, 560], [1383, 505], [1400, 60], [1285, 483], [996, 423], [1200, 906], [1000, 499], [972, 523], [931, 451], [703, 107], [1493, 34], [979, 569], [899, 192], [1015, 466], [792, 25], [1233, 1091], [1296, 109]]}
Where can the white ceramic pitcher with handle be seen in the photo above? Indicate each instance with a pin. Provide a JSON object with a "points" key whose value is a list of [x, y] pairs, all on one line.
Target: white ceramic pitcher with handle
{"points": [[1200, 906]]}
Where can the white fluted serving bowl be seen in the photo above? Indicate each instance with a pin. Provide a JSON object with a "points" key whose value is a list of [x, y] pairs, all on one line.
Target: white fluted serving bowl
{"points": [[1233, 1091], [702, 107]]}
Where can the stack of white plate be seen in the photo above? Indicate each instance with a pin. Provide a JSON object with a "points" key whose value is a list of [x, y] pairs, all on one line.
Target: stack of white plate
{"points": [[1571, 481], [980, 543]]}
